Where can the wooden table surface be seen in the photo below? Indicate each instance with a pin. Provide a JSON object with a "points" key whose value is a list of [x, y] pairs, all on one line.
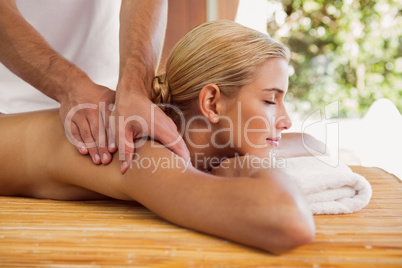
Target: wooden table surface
{"points": [[46, 233]]}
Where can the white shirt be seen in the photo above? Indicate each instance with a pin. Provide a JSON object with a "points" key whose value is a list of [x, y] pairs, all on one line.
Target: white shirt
{"points": [[83, 31]]}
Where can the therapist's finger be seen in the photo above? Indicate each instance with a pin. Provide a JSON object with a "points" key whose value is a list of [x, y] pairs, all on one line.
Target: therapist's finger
{"points": [[126, 152], [99, 134], [166, 133], [75, 137], [86, 136], [109, 127]]}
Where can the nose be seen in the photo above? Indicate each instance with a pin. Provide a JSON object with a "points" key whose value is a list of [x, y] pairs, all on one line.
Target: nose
{"points": [[284, 121]]}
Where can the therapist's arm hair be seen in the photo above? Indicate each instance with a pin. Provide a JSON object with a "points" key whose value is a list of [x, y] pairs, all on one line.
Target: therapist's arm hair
{"points": [[263, 209], [28, 55], [142, 31]]}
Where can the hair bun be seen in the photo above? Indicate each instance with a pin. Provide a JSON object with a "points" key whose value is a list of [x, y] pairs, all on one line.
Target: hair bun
{"points": [[161, 92]]}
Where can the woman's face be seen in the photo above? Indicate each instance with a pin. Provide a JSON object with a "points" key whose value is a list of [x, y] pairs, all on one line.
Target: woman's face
{"points": [[257, 112]]}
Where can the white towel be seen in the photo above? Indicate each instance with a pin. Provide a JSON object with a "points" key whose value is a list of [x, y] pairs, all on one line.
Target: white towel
{"points": [[329, 190]]}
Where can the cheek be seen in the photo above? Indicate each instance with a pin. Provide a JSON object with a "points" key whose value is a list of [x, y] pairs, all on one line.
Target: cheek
{"points": [[259, 117], [270, 112], [255, 130], [252, 126]]}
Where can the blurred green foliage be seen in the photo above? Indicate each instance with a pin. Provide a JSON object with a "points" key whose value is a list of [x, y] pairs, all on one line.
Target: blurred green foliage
{"points": [[348, 51]]}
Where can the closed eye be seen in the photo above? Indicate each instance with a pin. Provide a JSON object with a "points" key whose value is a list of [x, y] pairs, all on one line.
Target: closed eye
{"points": [[270, 102]]}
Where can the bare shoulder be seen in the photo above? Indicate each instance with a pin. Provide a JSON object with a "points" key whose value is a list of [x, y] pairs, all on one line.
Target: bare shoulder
{"points": [[152, 155]]}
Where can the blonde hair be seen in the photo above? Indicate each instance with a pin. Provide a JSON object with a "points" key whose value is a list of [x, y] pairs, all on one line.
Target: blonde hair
{"points": [[221, 52]]}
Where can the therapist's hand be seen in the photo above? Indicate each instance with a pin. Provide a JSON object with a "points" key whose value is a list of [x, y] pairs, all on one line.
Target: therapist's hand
{"points": [[85, 115], [135, 117]]}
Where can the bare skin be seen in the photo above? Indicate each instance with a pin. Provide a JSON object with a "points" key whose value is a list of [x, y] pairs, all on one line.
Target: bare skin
{"points": [[249, 204], [251, 208], [27, 54]]}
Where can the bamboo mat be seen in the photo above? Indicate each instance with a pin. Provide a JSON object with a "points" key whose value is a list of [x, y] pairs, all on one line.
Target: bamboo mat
{"points": [[46, 233]]}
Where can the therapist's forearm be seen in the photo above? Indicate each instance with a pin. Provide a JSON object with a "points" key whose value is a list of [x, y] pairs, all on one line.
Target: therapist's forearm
{"points": [[27, 54], [142, 30]]}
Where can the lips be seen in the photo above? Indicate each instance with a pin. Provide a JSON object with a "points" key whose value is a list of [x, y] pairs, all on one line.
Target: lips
{"points": [[274, 142]]}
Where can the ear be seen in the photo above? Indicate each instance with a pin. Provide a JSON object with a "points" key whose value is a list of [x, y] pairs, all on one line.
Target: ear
{"points": [[210, 102]]}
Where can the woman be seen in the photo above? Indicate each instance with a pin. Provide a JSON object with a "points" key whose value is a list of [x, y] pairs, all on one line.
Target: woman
{"points": [[226, 84]]}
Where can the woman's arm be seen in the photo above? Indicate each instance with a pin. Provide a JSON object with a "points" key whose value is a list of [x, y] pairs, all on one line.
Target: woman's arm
{"points": [[264, 210]]}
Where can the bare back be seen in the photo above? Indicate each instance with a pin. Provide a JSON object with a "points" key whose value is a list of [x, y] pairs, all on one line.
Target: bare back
{"points": [[38, 161]]}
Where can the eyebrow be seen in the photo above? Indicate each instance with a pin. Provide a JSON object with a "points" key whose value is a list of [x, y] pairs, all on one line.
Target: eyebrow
{"points": [[280, 91]]}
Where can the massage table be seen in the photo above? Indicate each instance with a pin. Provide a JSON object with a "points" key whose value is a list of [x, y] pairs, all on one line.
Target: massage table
{"points": [[47, 233]]}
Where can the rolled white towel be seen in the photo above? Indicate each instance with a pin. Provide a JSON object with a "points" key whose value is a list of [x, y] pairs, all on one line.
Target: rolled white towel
{"points": [[328, 189]]}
